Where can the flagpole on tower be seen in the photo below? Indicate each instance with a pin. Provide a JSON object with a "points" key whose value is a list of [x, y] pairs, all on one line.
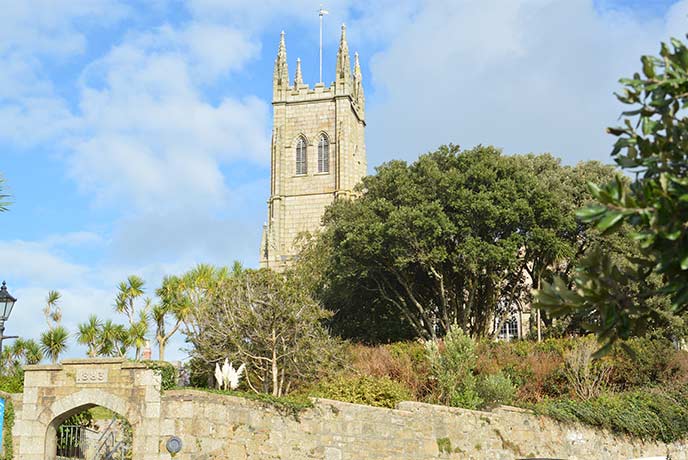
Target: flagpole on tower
{"points": [[322, 12]]}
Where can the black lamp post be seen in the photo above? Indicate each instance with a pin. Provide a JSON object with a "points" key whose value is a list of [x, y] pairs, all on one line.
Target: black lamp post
{"points": [[6, 305]]}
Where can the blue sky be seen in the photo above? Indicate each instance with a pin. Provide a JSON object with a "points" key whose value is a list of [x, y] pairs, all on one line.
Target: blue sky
{"points": [[134, 135]]}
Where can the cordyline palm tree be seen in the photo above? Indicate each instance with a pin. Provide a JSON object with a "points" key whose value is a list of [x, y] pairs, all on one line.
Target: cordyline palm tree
{"points": [[52, 311], [181, 295], [21, 352], [129, 291], [88, 335], [32, 352], [111, 339], [54, 343], [173, 303], [138, 331]]}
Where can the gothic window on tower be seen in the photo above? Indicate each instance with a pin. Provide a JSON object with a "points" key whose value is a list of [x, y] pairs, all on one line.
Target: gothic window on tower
{"points": [[323, 154], [301, 165]]}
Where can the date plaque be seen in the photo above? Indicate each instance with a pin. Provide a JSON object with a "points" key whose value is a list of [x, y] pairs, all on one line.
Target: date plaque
{"points": [[91, 376]]}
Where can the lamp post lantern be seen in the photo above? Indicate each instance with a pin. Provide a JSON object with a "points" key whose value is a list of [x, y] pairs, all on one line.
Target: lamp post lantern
{"points": [[6, 304]]}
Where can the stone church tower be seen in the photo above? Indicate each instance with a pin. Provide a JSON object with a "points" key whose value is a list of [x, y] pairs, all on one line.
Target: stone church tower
{"points": [[318, 150]]}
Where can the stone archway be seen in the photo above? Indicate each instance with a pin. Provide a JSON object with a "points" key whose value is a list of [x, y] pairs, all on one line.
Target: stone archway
{"points": [[54, 392], [74, 404]]}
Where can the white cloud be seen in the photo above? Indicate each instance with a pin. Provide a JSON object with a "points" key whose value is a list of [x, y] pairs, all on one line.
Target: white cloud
{"points": [[152, 139], [529, 75], [31, 33], [53, 28], [37, 262]]}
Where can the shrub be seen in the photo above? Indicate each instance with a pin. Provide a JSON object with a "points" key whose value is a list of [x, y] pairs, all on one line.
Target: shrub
{"points": [[452, 363], [167, 372], [372, 391], [646, 414], [7, 444], [535, 369], [676, 371], [12, 383], [586, 376], [639, 362], [496, 389], [404, 362]]}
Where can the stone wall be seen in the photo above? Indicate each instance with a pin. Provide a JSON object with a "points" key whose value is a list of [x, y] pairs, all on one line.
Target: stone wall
{"points": [[213, 427], [222, 427], [52, 393]]}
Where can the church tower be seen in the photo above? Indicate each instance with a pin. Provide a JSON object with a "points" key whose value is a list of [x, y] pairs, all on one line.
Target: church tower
{"points": [[318, 150]]}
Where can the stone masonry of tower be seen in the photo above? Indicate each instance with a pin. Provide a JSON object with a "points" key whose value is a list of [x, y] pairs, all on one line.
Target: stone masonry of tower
{"points": [[303, 117]]}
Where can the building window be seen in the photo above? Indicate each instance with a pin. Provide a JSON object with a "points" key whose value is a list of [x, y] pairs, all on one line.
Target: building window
{"points": [[323, 154], [301, 165], [509, 329]]}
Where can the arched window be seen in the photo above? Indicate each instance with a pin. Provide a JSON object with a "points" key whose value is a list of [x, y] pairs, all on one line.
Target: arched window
{"points": [[323, 154], [301, 165]]}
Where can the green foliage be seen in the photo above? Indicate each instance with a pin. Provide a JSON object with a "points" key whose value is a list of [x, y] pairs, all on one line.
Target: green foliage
{"points": [[646, 414], [404, 362], [167, 372], [496, 389], [651, 144], [129, 292], [451, 365], [444, 445], [113, 339], [446, 240], [20, 353], [182, 296], [84, 418], [640, 362], [269, 322], [7, 445], [54, 343], [12, 383], [88, 333], [372, 391]]}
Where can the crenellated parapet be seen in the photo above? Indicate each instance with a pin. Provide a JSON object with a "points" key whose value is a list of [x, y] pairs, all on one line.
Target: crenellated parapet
{"points": [[347, 83]]}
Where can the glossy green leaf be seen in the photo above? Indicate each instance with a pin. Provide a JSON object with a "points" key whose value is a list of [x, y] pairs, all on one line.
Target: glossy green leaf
{"points": [[684, 262], [610, 221]]}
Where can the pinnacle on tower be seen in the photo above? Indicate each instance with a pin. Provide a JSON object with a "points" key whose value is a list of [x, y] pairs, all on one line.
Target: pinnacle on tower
{"points": [[358, 82], [298, 78], [343, 80], [280, 79]]}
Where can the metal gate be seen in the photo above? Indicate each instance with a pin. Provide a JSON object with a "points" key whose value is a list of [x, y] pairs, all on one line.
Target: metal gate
{"points": [[76, 442], [72, 441]]}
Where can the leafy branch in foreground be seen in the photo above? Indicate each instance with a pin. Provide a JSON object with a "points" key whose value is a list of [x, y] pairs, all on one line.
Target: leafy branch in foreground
{"points": [[652, 145]]}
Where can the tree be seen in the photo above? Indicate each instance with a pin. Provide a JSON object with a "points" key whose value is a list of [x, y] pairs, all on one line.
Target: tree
{"points": [[269, 322], [54, 340], [54, 343], [21, 352], [651, 146], [52, 310], [125, 303], [113, 339], [182, 296], [89, 333], [457, 236]]}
